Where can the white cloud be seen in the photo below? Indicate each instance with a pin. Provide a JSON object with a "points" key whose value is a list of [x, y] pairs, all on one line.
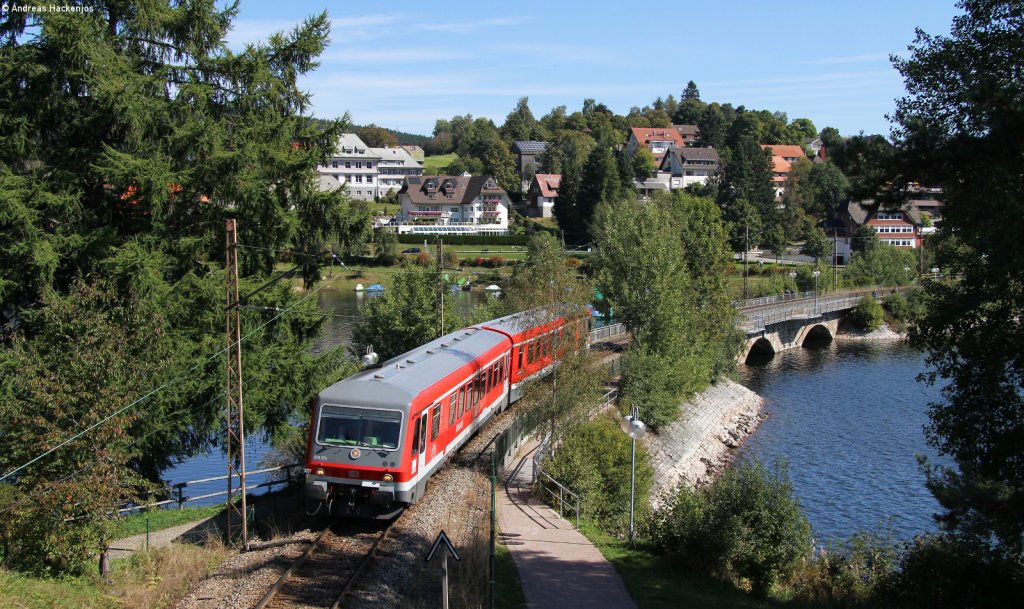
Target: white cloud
{"points": [[371, 57], [464, 27]]}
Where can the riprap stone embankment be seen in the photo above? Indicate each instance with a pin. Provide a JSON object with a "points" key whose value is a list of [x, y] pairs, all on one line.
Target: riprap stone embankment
{"points": [[695, 448]]}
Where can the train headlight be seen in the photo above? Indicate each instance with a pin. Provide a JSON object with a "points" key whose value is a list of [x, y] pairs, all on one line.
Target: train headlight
{"points": [[319, 471], [389, 478]]}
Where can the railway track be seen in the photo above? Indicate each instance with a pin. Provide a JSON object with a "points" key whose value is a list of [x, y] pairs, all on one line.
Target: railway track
{"points": [[324, 574]]}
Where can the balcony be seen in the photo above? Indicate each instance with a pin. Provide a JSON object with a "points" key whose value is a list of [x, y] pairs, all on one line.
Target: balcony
{"points": [[492, 214], [417, 212], [492, 201]]}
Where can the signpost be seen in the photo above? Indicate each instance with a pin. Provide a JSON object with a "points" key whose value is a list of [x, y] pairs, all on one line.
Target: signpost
{"points": [[442, 538]]}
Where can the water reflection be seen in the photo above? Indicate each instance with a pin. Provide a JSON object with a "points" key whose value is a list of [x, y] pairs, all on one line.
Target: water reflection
{"points": [[849, 419]]}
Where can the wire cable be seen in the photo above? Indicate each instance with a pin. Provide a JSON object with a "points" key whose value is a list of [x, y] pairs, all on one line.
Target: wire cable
{"points": [[162, 387]]}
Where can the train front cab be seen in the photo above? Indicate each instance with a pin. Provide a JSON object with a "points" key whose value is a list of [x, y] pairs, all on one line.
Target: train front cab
{"points": [[355, 461]]}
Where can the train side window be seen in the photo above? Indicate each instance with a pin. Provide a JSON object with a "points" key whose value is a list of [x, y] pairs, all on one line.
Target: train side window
{"points": [[479, 388], [522, 350], [491, 381], [416, 436], [453, 404], [423, 431], [462, 400], [435, 423]]}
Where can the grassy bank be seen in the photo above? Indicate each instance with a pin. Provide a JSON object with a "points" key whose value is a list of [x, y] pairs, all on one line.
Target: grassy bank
{"points": [[147, 580], [654, 582], [135, 524], [509, 590]]}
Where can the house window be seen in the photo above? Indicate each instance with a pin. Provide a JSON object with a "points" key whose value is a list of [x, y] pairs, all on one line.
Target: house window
{"points": [[369, 165], [334, 164]]}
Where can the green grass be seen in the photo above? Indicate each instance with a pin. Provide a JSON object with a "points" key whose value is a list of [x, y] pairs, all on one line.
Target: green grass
{"points": [[655, 582], [19, 591], [135, 524], [509, 592], [433, 165]]}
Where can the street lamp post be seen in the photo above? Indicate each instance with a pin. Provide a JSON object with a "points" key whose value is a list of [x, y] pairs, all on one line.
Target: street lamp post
{"points": [[906, 273], [792, 275], [635, 429], [816, 273]]}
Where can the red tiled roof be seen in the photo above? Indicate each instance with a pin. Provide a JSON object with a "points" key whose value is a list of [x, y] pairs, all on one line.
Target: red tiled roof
{"points": [[784, 150], [644, 135], [549, 183]]}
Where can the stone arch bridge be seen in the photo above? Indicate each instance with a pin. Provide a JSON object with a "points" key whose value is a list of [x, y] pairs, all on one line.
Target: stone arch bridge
{"points": [[777, 323]]}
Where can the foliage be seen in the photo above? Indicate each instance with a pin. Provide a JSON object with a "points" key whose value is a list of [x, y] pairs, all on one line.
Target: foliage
{"points": [[907, 306], [868, 314], [643, 165], [817, 245], [377, 137], [947, 571], [405, 316], [661, 265], [520, 124], [385, 245], [594, 461], [882, 264], [128, 138], [850, 573], [545, 278], [961, 126], [830, 189], [746, 524], [500, 163]]}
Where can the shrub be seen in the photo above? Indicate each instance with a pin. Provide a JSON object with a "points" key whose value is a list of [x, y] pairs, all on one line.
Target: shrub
{"points": [[943, 571], [594, 461], [849, 574], [494, 262], [746, 525], [868, 314]]}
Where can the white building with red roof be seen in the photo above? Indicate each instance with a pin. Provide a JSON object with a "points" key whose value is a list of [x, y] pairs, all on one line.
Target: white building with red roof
{"points": [[542, 194], [783, 157]]}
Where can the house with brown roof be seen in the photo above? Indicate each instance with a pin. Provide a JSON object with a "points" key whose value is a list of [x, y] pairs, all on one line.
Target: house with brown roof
{"points": [[689, 133], [902, 228], [783, 157], [463, 204], [542, 194], [686, 166], [658, 140]]}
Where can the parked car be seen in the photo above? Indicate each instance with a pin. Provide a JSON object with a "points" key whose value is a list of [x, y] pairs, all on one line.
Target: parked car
{"points": [[411, 250]]}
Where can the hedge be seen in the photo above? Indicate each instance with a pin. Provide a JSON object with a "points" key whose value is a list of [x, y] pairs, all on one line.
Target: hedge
{"points": [[413, 239]]}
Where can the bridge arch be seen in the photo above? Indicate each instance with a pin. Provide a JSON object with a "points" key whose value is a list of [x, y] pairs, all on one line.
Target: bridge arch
{"points": [[762, 348], [818, 333]]}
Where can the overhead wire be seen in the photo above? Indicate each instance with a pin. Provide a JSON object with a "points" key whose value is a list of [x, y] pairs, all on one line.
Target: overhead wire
{"points": [[161, 387]]}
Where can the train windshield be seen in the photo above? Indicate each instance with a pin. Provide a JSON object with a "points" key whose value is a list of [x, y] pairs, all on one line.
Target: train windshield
{"points": [[345, 426]]}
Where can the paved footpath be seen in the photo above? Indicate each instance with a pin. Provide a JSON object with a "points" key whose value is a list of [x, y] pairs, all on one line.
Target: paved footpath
{"points": [[557, 565]]}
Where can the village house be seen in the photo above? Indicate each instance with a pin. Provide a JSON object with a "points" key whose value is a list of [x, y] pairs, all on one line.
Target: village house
{"points": [[542, 194], [783, 157], [368, 172], [686, 166], [903, 228], [527, 153], [658, 140], [452, 205], [689, 133]]}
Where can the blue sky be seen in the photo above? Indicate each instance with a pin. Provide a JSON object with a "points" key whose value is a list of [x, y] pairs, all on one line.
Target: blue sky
{"points": [[404, 64]]}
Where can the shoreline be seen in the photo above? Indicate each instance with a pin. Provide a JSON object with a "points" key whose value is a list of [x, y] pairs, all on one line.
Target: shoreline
{"points": [[696, 448], [885, 332]]}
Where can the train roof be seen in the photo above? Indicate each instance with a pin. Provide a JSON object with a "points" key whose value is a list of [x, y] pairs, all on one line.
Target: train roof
{"points": [[518, 323], [402, 378]]}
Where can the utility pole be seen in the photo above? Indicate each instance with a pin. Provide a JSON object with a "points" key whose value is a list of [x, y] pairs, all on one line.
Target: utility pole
{"points": [[235, 442], [835, 259], [746, 255], [440, 284]]}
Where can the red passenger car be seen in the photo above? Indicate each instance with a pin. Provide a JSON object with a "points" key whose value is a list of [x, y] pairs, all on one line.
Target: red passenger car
{"points": [[377, 437]]}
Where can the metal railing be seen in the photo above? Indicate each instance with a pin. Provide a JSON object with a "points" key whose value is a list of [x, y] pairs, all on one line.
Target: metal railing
{"points": [[549, 485], [809, 310], [606, 332], [178, 490]]}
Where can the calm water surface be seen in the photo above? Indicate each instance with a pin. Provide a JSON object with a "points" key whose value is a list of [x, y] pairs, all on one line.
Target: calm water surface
{"points": [[848, 418]]}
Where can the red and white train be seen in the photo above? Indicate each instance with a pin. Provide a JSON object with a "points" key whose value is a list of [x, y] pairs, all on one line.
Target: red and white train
{"points": [[376, 437]]}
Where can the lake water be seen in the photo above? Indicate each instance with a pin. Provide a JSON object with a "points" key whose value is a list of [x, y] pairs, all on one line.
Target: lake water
{"points": [[848, 417]]}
